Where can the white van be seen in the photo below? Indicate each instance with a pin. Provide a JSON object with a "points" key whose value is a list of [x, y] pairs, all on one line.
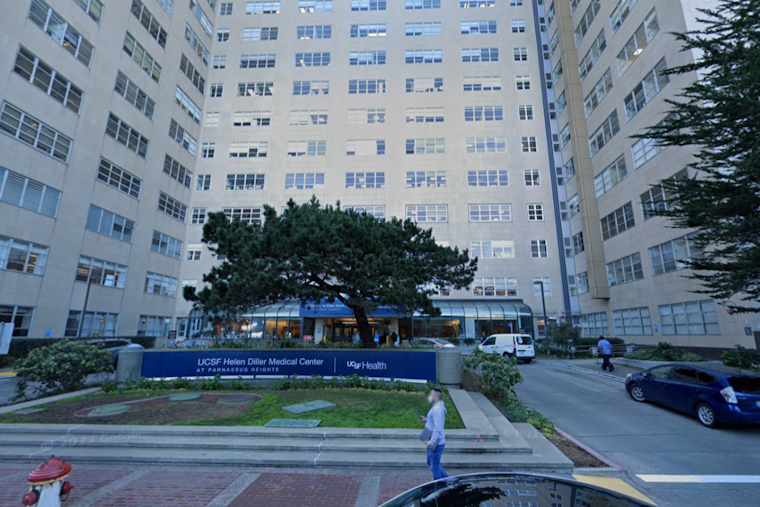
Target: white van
{"points": [[510, 345]]}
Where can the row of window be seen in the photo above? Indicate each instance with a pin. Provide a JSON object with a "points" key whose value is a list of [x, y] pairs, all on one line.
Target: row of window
{"points": [[688, 318], [320, 6]]}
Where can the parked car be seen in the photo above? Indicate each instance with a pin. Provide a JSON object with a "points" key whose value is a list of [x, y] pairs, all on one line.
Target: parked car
{"points": [[436, 343], [715, 394], [195, 343], [510, 345], [112, 345]]}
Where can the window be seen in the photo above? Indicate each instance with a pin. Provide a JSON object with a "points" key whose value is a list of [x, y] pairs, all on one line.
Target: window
{"points": [[150, 23], [126, 135], [194, 252], [23, 256], [94, 8], [195, 8], [375, 211], [177, 171], [481, 83], [95, 324], [166, 245], [488, 178], [196, 44], [620, 14], [564, 136], [573, 206], [365, 180], [225, 9], [486, 144], [646, 149], [44, 77], [172, 207], [611, 176], [113, 175], [422, 4], [523, 82], [625, 270], [594, 324], [638, 41], [547, 286], [313, 32], [246, 215], [20, 316], [311, 88], [134, 95], [110, 224], [365, 116], [501, 286], [585, 22], [617, 222], [154, 326], [187, 105], [362, 86], [368, 5], [483, 113], [50, 22], [220, 62], [30, 130], [478, 27], [261, 89], [424, 115], [566, 172], [417, 56], [692, 318], [674, 255], [189, 70], [656, 199], [538, 249], [222, 35], [604, 133], [257, 61], [422, 29], [490, 212], [254, 8], [424, 85], [198, 216], [425, 179], [266, 33], [142, 57], [304, 181], [525, 112], [578, 244], [29, 194], [312, 59], [473, 4], [593, 54], [183, 138], [365, 147], [518, 26], [520, 54], [312, 6], [528, 144], [581, 284], [480, 55], [307, 148], [253, 118], [248, 149], [363, 31], [160, 285], [425, 213], [245, 182], [501, 249], [597, 94], [212, 119], [203, 182], [536, 212], [429, 146], [366, 58], [646, 90]]}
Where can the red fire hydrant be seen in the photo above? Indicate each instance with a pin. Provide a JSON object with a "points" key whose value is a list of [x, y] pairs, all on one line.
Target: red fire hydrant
{"points": [[48, 486]]}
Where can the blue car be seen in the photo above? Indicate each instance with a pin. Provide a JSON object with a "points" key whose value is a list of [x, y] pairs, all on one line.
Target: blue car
{"points": [[715, 394]]}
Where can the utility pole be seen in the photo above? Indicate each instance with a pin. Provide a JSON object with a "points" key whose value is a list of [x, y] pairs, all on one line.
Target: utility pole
{"points": [[546, 324], [84, 310]]}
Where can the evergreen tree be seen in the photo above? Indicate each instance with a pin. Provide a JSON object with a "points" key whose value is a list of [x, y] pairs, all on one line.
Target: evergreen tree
{"points": [[311, 253], [719, 116]]}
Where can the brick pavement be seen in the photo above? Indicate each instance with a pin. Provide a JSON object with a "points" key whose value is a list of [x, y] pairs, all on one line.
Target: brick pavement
{"points": [[393, 485], [288, 490]]}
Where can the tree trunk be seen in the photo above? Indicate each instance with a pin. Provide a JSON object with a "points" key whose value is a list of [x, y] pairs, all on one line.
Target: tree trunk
{"points": [[365, 329]]}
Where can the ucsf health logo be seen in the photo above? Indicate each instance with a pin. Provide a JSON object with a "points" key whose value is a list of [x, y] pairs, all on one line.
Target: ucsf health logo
{"points": [[367, 365]]}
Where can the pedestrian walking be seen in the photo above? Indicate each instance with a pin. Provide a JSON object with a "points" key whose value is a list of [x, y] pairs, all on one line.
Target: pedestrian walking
{"points": [[605, 350], [433, 435]]}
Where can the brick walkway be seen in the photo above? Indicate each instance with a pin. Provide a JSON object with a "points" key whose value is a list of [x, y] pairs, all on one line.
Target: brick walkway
{"points": [[146, 486]]}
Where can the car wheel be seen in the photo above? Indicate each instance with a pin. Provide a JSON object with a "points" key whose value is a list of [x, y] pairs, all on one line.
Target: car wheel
{"points": [[706, 415], [527, 361], [508, 356], [637, 393]]}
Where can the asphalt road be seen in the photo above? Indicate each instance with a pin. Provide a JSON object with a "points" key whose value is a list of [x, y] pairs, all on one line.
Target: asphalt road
{"points": [[646, 439]]}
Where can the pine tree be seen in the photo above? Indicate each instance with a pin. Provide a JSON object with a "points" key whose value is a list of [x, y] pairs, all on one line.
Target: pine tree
{"points": [[312, 252], [719, 116]]}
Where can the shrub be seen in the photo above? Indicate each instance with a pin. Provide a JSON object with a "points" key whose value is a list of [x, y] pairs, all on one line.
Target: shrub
{"points": [[741, 357], [62, 366], [492, 375], [665, 352], [213, 384], [180, 383], [469, 341], [454, 340]]}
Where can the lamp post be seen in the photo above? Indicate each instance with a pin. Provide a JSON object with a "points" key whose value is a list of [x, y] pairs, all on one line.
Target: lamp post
{"points": [[84, 309], [546, 324]]}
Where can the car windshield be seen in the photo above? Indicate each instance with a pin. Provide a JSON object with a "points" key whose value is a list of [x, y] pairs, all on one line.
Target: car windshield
{"points": [[746, 385], [524, 340]]}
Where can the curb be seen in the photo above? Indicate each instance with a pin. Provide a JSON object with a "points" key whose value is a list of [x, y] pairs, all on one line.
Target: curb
{"points": [[42, 401], [592, 452], [601, 472]]}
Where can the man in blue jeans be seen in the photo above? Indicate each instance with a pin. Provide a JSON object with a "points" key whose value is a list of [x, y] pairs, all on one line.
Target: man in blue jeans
{"points": [[605, 350], [434, 423]]}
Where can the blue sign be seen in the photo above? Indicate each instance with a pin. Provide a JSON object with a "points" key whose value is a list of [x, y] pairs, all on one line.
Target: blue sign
{"points": [[413, 365], [337, 309]]}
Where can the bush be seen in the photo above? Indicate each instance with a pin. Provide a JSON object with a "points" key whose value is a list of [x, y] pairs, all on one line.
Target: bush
{"points": [[492, 375], [469, 341], [517, 411], [741, 357], [454, 340], [62, 366], [665, 352]]}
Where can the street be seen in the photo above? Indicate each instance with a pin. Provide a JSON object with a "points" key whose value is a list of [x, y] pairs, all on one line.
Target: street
{"points": [[648, 440]]}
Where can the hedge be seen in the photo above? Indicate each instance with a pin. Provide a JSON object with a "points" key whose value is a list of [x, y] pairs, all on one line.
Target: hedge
{"points": [[20, 347]]}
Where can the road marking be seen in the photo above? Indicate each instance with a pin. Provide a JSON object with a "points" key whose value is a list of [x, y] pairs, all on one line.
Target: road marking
{"points": [[614, 484], [584, 370], [701, 479]]}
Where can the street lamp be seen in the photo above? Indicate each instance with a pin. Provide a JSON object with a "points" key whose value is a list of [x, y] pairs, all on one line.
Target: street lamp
{"points": [[84, 309], [546, 324]]}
